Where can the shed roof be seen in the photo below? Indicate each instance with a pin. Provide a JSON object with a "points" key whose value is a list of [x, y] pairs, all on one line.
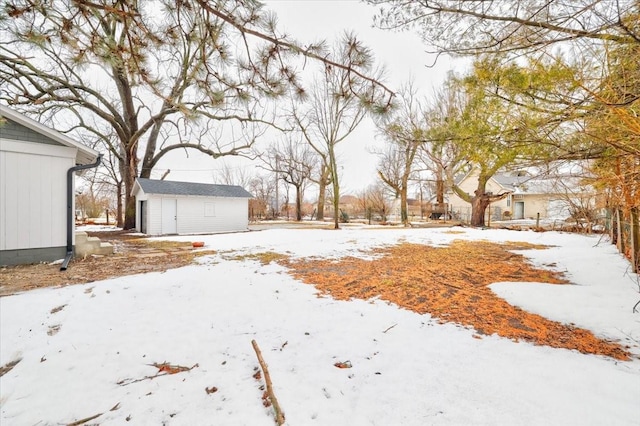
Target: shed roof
{"points": [[84, 155], [167, 187]]}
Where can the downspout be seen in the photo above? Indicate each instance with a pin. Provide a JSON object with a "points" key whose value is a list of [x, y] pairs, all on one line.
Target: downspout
{"points": [[70, 216]]}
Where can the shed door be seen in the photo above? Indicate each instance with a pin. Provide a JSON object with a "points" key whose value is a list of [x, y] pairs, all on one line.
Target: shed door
{"points": [[169, 216]]}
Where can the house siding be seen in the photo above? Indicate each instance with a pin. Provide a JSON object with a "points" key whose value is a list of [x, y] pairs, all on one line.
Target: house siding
{"points": [[534, 204], [26, 256], [33, 195], [469, 185], [548, 205], [12, 130], [34, 161]]}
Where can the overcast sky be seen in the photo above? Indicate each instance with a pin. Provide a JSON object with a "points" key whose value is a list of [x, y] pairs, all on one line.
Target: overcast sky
{"points": [[403, 55]]}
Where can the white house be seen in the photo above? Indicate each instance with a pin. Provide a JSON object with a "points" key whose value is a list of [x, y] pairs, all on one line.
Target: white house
{"points": [[552, 196], [37, 168], [168, 207]]}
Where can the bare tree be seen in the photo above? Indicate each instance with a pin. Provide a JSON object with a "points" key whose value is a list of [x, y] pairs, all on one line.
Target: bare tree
{"points": [[378, 201], [336, 107], [229, 175], [293, 161], [364, 206], [439, 159], [108, 177], [148, 78], [405, 134], [263, 189], [93, 198], [420, 145]]}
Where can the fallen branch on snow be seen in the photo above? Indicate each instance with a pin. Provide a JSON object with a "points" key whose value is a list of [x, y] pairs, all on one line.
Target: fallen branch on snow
{"points": [[389, 328], [279, 415], [164, 369], [95, 416]]}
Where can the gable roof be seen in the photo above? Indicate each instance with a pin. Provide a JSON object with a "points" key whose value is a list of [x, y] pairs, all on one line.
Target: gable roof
{"points": [[167, 187], [532, 184], [506, 182], [84, 154]]}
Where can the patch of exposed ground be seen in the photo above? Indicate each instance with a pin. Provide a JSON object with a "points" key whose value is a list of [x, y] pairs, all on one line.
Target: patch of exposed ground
{"points": [[134, 255], [451, 284]]}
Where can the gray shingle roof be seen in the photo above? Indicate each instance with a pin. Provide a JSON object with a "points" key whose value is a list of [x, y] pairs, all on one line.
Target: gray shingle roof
{"points": [[167, 187], [84, 154], [508, 181]]}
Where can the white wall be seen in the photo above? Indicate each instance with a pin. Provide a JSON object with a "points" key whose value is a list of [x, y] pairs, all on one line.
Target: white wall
{"points": [[228, 214], [33, 197], [469, 185], [154, 215], [534, 204]]}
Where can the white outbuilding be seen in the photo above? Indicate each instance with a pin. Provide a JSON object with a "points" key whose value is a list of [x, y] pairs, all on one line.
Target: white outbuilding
{"points": [[169, 207], [37, 168]]}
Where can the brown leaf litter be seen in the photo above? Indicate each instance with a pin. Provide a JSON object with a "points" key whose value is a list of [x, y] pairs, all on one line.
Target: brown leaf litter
{"points": [[451, 284]]}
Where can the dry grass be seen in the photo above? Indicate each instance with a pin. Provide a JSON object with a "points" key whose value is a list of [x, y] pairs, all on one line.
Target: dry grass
{"points": [[160, 244], [133, 256], [451, 284], [264, 257]]}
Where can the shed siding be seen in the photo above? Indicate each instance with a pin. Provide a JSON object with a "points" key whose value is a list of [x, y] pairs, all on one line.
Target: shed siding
{"points": [[33, 198], [231, 214], [154, 215]]}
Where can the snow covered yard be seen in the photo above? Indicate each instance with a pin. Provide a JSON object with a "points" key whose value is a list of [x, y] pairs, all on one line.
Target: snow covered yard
{"points": [[90, 349]]}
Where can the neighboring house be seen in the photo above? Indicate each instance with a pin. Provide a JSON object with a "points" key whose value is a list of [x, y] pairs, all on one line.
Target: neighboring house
{"points": [[416, 210], [552, 197], [349, 205], [37, 166], [168, 207]]}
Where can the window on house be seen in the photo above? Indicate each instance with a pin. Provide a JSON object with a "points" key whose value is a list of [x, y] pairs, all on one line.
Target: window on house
{"points": [[508, 200], [209, 209]]}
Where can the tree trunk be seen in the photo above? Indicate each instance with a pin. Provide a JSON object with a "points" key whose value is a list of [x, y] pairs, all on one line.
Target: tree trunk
{"points": [[129, 174], [439, 186], [336, 205], [613, 234], [299, 203], [404, 213], [480, 201], [322, 189], [440, 192], [336, 189], [479, 205], [119, 218], [635, 239], [129, 210], [322, 192], [620, 238]]}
